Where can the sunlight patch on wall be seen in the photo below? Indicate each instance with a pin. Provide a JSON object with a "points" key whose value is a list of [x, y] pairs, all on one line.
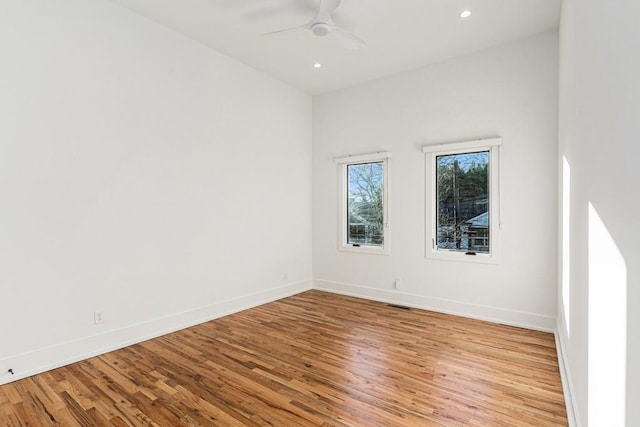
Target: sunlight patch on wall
{"points": [[607, 326], [566, 244]]}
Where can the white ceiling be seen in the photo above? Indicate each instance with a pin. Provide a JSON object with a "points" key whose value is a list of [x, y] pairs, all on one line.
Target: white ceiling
{"points": [[401, 34]]}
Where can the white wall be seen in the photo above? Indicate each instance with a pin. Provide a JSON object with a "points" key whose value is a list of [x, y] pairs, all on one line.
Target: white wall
{"points": [[599, 323], [141, 174], [508, 91]]}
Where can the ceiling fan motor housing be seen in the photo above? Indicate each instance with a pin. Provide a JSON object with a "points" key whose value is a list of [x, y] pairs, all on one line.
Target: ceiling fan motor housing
{"points": [[321, 29]]}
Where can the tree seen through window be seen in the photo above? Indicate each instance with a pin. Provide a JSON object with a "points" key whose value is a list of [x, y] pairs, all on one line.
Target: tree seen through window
{"points": [[463, 202], [365, 204]]}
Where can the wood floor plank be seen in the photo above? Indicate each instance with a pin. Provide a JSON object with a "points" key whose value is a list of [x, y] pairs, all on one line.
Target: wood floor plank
{"points": [[314, 359]]}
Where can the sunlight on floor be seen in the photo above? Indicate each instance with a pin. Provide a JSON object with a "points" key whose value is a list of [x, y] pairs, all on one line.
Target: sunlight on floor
{"points": [[607, 326]]}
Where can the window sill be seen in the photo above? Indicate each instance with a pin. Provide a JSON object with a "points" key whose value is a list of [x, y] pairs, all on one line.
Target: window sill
{"points": [[374, 250], [462, 257]]}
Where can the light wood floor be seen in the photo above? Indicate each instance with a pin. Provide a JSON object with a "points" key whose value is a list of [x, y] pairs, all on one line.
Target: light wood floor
{"points": [[308, 360]]}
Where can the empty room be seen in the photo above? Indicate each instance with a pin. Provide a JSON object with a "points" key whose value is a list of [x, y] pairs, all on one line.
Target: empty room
{"points": [[319, 213]]}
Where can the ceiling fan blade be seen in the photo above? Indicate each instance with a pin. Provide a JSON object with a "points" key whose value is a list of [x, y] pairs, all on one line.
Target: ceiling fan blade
{"points": [[287, 30], [267, 10], [348, 40], [328, 6]]}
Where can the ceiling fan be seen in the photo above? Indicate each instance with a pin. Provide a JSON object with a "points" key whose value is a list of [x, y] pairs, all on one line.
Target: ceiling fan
{"points": [[322, 25]]}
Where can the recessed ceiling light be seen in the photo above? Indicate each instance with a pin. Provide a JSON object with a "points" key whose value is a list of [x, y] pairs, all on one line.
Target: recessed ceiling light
{"points": [[465, 14], [317, 65]]}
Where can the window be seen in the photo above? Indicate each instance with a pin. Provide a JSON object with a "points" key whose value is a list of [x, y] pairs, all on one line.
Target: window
{"points": [[363, 204], [463, 201]]}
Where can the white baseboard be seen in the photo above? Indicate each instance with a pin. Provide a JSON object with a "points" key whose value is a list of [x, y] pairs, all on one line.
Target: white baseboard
{"points": [[567, 385], [45, 359], [475, 311]]}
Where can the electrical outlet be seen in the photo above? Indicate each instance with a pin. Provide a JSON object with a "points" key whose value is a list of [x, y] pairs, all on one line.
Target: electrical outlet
{"points": [[98, 317], [396, 283], [285, 276]]}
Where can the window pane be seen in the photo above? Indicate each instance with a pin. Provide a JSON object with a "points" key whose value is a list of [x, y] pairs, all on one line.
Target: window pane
{"points": [[463, 202], [365, 211]]}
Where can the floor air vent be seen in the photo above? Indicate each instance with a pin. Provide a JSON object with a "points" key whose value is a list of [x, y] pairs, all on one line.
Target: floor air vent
{"points": [[399, 306]]}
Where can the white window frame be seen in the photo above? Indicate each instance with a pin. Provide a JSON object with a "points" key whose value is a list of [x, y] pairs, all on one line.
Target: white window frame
{"points": [[342, 163], [495, 225]]}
